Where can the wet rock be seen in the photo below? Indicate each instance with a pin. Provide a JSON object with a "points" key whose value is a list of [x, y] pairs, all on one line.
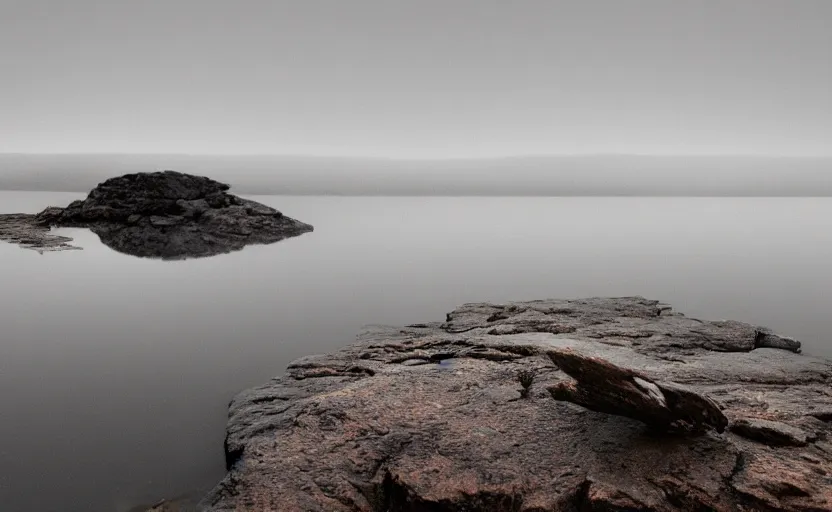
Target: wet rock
{"points": [[168, 215], [415, 418]]}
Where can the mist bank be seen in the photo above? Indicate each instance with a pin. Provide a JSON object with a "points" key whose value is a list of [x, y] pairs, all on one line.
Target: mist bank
{"points": [[602, 175]]}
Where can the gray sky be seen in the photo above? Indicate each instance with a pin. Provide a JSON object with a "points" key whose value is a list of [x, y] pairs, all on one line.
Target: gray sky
{"points": [[418, 78]]}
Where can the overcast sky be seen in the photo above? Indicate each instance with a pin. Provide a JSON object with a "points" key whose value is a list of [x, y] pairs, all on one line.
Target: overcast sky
{"points": [[417, 78]]}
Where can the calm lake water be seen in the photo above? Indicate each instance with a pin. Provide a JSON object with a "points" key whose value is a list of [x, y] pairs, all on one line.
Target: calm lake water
{"points": [[115, 372]]}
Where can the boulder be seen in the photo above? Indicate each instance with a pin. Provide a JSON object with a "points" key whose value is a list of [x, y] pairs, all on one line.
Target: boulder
{"points": [[604, 387]]}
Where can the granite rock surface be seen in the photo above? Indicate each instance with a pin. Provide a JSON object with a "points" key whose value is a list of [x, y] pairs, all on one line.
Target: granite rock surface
{"points": [[430, 417]]}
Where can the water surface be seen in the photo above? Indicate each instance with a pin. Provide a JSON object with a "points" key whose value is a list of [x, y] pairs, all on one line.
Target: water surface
{"points": [[115, 372]]}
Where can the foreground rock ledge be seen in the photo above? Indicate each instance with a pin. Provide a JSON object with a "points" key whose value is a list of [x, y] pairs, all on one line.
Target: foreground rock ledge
{"points": [[429, 418], [168, 215]]}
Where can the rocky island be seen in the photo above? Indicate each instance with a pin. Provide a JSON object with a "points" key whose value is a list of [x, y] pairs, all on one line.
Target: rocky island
{"points": [[168, 215], [600, 404]]}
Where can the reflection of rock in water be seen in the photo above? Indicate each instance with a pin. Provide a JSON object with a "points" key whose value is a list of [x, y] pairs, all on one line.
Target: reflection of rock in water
{"points": [[23, 230], [168, 215]]}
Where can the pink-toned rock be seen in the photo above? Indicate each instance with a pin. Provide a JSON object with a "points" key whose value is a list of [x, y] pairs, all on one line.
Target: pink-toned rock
{"points": [[605, 387], [368, 429]]}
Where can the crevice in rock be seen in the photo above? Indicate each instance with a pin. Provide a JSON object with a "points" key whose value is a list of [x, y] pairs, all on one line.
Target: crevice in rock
{"points": [[326, 371], [522, 350], [744, 499], [449, 330], [441, 356], [497, 316], [393, 495], [561, 311], [739, 466], [491, 355], [523, 328], [232, 455], [679, 497], [268, 399], [822, 415], [619, 334], [578, 500]]}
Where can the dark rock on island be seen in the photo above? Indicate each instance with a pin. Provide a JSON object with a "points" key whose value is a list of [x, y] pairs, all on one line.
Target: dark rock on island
{"points": [[460, 416], [168, 215]]}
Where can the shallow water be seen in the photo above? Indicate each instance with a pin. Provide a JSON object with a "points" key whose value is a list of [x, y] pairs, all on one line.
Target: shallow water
{"points": [[115, 371]]}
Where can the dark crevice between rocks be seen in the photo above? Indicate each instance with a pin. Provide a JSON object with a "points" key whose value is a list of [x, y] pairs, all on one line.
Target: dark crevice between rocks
{"points": [[497, 316], [450, 330], [268, 399], [663, 309], [759, 336], [562, 312], [551, 328], [823, 416], [442, 356], [326, 371], [521, 350], [743, 499], [739, 466], [578, 500], [232, 455], [393, 495], [680, 497], [619, 334], [491, 353], [496, 356]]}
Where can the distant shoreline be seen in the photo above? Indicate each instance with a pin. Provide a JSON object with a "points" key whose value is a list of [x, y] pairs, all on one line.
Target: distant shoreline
{"points": [[554, 176]]}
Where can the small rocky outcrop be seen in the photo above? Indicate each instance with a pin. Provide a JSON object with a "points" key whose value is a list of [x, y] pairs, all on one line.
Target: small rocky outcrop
{"points": [[431, 417], [167, 215]]}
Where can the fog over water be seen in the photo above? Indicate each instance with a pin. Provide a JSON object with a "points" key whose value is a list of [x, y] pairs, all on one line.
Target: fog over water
{"points": [[594, 175]]}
